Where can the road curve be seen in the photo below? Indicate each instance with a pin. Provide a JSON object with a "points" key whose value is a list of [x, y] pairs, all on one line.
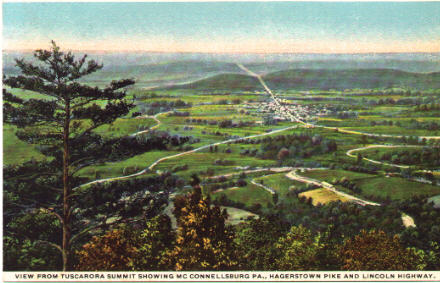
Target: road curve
{"points": [[351, 151], [155, 117]]}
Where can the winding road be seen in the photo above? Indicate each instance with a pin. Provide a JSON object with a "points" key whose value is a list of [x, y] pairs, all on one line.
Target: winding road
{"points": [[154, 164], [155, 117], [351, 151]]}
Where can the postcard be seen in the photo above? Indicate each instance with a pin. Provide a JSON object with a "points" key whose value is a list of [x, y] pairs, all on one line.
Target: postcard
{"points": [[221, 141]]}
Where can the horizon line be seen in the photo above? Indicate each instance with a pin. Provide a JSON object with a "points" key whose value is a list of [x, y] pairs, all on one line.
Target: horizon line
{"points": [[224, 52]]}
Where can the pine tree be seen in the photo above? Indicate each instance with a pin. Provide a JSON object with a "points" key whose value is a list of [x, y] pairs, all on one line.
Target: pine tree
{"points": [[62, 123]]}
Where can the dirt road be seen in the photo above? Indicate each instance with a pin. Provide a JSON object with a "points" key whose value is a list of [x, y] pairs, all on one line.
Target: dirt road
{"points": [[294, 176]]}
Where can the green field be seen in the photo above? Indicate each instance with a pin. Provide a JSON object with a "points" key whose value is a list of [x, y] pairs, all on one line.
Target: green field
{"points": [[249, 195], [395, 188], [279, 182], [125, 127], [16, 151]]}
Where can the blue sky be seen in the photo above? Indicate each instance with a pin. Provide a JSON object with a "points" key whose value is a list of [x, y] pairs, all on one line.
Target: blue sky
{"points": [[297, 27]]}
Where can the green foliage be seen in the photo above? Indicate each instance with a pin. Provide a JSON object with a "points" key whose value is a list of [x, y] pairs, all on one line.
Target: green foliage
{"points": [[157, 238], [300, 250], [255, 241], [203, 240], [26, 243], [29, 255]]}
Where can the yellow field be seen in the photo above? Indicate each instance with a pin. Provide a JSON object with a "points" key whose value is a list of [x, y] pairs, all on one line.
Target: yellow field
{"points": [[329, 119], [322, 196]]}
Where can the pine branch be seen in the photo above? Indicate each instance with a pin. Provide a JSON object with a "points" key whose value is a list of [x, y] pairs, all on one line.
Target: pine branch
{"points": [[31, 83], [52, 212], [58, 247]]}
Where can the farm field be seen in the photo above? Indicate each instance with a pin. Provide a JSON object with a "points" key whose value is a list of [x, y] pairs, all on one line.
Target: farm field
{"points": [[322, 196]]}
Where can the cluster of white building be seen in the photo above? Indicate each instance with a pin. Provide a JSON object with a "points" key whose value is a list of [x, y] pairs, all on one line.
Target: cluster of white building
{"points": [[291, 112]]}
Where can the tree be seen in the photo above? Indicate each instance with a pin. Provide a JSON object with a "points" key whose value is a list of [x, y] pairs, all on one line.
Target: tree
{"points": [[114, 251], [124, 249], [156, 240], [256, 241], [203, 242], [62, 123], [375, 250], [359, 158], [283, 153], [300, 250]]}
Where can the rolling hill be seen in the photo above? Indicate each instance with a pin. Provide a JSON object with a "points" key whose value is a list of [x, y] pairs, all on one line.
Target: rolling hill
{"points": [[227, 81], [354, 78], [308, 79]]}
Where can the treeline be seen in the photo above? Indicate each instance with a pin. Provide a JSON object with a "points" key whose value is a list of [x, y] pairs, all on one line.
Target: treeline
{"points": [[288, 148], [429, 156], [285, 147], [131, 146], [427, 107], [214, 184], [412, 124], [428, 125], [226, 123], [162, 106]]}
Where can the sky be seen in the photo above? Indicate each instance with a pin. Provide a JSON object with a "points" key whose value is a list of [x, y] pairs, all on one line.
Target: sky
{"points": [[235, 27]]}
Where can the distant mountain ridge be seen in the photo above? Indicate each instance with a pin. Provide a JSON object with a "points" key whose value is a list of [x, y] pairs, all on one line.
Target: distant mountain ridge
{"points": [[170, 69], [307, 79], [354, 78]]}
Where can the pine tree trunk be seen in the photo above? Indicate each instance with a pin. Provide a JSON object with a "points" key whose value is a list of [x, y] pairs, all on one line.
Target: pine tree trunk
{"points": [[66, 195]]}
